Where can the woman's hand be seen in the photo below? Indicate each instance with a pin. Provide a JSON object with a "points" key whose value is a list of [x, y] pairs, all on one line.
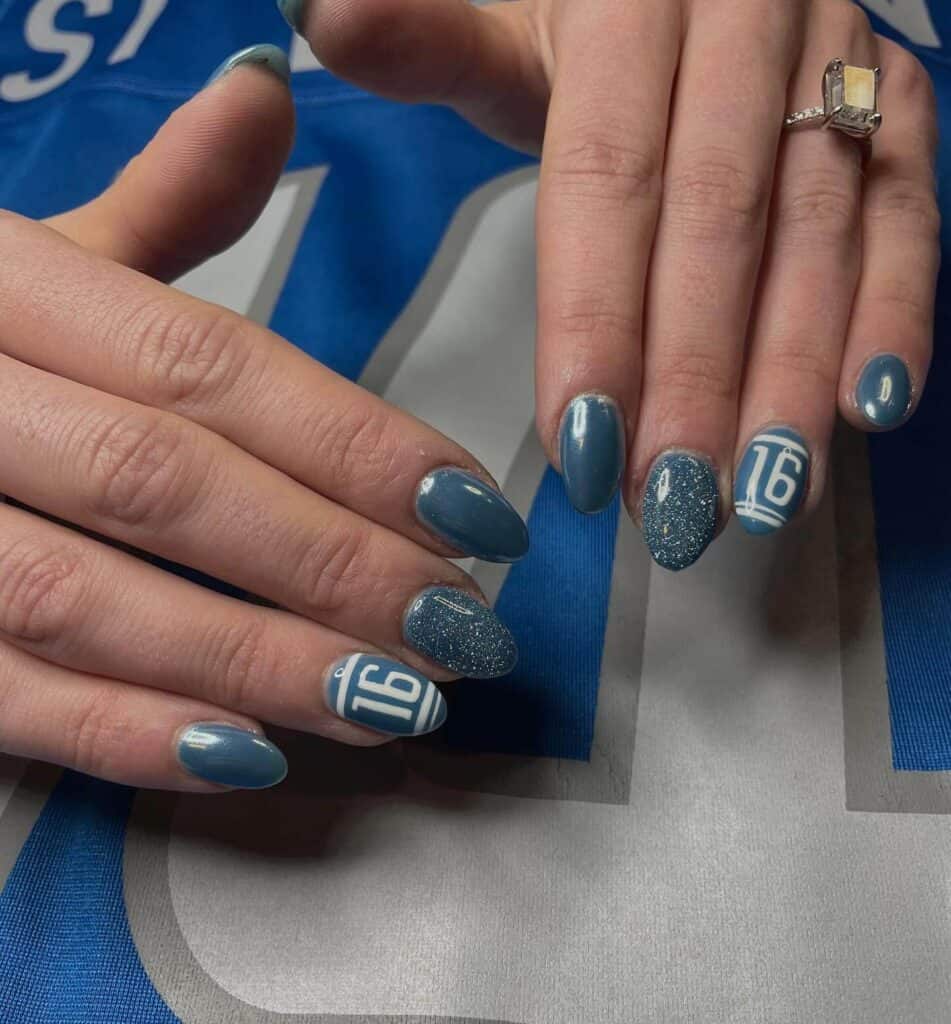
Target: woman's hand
{"points": [[708, 289], [149, 418]]}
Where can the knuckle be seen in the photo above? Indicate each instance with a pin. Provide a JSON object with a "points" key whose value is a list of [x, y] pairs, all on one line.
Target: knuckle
{"points": [[96, 734], [800, 359], [692, 371], [594, 323], [908, 209], [187, 356], [357, 443], [41, 591], [714, 197], [332, 569], [141, 470], [906, 300], [595, 166], [820, 210], [238, 663], [908, 77]]}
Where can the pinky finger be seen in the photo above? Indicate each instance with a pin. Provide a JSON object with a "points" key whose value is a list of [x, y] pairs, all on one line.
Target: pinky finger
{"points": [[128, 734], [890, 338]]}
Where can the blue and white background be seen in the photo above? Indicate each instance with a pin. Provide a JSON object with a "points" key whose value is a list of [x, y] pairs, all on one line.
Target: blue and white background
{"points": [[722, 796]]}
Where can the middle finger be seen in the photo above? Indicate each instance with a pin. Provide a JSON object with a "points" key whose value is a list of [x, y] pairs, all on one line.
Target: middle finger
{"points": [[727, 116]]}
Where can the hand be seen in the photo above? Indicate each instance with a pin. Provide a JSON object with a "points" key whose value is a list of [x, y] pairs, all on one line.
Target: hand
{"points": [[708, 288], [149, 418]]}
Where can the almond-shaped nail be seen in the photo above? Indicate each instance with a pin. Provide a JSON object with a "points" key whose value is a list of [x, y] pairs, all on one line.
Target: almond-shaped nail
{"points": [[384, 695], [679, 509], [591, 450], [453, 629], [471, 516], [883, 392], [272, 58], [771, 480], [230, 756]]}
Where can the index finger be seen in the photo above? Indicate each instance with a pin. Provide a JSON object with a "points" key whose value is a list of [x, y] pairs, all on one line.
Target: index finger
{"points": [[118, 331]]}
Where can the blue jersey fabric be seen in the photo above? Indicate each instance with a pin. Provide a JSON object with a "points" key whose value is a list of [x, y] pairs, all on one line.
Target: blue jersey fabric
{"points": [[65, 950]]}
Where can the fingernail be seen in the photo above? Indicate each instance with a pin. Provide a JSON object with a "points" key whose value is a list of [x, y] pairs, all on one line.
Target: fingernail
{"points": [[884, 391], [453, 629], [293, 11], [471, 516], [679, 509], [771, 480], [230, 756], [384, 695], [267, 56], [592, 451]]}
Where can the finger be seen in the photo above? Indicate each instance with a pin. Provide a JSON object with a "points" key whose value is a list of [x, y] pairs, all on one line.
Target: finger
{"points": [[90, 608], [485, 62], [718, 182], [809, 277], [165, 485], [891, 332], [598, 200], [128, 734], [167, 350], [204, 178]]}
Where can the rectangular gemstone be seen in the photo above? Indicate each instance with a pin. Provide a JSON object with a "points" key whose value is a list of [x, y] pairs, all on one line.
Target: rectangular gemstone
{"points": [[860, 88]]}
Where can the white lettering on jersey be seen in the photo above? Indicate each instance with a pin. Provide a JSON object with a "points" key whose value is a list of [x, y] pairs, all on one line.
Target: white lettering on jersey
{"points": [[75, 48]]}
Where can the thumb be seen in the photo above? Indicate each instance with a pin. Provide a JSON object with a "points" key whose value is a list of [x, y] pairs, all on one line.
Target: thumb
{"points": [[203, 179]]}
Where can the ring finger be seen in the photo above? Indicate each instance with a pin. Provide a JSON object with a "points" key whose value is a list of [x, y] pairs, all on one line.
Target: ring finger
{"points": [[810, 273]]}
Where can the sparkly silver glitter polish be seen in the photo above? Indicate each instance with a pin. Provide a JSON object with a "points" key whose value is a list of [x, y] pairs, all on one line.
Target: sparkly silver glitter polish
{"points": [[679, 509], [453, 629]]}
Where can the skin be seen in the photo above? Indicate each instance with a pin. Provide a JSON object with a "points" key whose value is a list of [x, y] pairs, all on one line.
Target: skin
{"points": [[708, 274], [163, 423], [712, 275]]}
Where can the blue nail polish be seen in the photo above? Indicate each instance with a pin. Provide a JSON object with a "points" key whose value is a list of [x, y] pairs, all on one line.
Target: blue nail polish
{"points": [[230, 756], [384, 695], [679, 509], [267, 56], [884, 391], [592, 451], [453, 629], [471, 516], [293, 11], [771, 480]]}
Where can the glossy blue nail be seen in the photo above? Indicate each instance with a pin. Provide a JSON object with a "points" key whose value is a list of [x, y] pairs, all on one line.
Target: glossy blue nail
{"points": [[230, 756], [267, 56], [884, 391], [384, 695], [453, 629], [771, 480], [591, 447], [293, 11], [679, 509], [471, 516]]}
